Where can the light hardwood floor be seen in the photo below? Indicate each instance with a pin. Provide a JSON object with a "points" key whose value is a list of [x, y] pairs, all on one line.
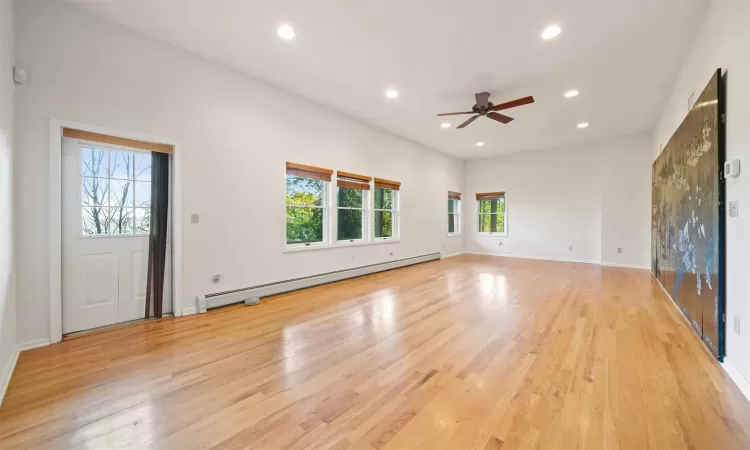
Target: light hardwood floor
{"points": [[469, 352]]}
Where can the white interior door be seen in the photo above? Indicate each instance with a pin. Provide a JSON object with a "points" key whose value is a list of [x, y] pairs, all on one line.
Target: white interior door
{"points": [[106, 202]]}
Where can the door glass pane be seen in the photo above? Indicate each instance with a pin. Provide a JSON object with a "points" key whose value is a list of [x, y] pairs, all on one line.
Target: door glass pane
{"points": [[351, 198], [304, 191], [142, 220], [383, 198], [451, 223], [451, 206], [350, 224], [142, 194], [304, 225], [121, 165], [121, 193], [93, 162], [94, 192], [121, 220], [94, 220], [142, 166], [383, 224]]}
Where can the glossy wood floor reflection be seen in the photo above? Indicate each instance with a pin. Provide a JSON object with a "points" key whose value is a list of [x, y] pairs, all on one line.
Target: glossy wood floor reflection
{"points": [[466, 353]]}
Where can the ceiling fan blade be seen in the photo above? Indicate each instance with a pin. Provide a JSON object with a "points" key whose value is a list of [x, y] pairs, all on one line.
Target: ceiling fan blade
{"points": [[483, 99], [471, 119], [455, 114], [500, 117], [514, 103]]}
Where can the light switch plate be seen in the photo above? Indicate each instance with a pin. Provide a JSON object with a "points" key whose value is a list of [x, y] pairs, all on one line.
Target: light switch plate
{"points": [[195, 218], [734, 210]]}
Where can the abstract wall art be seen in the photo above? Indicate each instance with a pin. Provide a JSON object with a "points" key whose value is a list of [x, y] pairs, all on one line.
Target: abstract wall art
{"points": [[687, 217]]}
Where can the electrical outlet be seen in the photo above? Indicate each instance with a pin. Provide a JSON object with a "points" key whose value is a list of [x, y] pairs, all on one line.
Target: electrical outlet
{"points": [[195, 218], [391, 253], [499, 243], [619, 249], [737, 324], [570, 247], [215, 278]]}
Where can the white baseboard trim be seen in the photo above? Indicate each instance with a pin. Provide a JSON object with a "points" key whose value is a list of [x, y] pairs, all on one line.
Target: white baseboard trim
{"points": [[189, 310], [36, 343], [252, 295], [7, 372], [626, 266], [451, 255], [540, 258], [737, 377]]}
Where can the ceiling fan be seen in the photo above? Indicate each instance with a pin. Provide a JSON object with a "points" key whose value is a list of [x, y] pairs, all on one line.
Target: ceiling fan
{"points": [[485, 107]]}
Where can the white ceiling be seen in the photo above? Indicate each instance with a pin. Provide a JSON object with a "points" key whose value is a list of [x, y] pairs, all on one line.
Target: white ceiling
{"points": [[622, 55]]}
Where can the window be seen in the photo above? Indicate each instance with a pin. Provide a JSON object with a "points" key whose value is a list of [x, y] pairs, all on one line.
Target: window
{"points": [[306, 204], [454, 212], [385, 210], [115, 191], [352, 206], [492, 213]]}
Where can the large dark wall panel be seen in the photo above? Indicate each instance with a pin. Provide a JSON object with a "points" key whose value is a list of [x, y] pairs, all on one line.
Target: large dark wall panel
{"points": [[687, 247]]}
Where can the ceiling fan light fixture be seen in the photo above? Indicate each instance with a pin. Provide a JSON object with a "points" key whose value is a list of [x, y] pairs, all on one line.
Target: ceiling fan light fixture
{"points": [[480, 144], [583, 125], [551, 32], [572, 93], [391, 93], [445, 125]]}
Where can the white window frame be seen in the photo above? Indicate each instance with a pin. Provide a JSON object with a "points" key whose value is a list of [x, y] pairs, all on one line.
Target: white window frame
{"points": [[456, 219], [326, 221], [491, 234], [395, 217], [109, 149], [365, 218]]}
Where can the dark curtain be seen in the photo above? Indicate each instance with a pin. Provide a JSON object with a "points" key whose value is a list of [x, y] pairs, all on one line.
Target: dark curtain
{"points": [[157, 243]]}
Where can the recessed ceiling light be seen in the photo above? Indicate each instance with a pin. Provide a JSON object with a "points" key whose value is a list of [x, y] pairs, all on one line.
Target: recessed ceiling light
{"points": [[445, 125], [480, 144], [583, 125], [572, 93], [391, 93], [551, 32], [286, 32]]}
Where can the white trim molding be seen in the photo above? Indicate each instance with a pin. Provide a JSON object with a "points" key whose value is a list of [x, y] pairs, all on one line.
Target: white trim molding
{"points": [[55, 218], [451, 255], [189, 311], [36, 343], [252, 295], [626, 266], [540, 258], [736, 376], [7, 373]]}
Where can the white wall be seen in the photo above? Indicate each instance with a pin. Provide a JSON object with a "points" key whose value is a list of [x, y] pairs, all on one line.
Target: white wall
{"points": [[722, 42], [235, 135], [8, 347], [594, 197]]}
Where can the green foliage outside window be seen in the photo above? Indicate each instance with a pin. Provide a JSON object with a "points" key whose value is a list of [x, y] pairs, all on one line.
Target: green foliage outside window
{"points": [[492, 216], [383, 213], [304, 211], [351, 221], [452, 213]]}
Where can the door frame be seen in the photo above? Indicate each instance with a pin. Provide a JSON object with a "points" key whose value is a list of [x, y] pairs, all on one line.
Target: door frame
{"points": [[55, 219]]}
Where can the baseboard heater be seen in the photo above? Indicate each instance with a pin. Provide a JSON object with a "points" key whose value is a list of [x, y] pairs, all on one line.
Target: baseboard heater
{"points": [[252, 295]]}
